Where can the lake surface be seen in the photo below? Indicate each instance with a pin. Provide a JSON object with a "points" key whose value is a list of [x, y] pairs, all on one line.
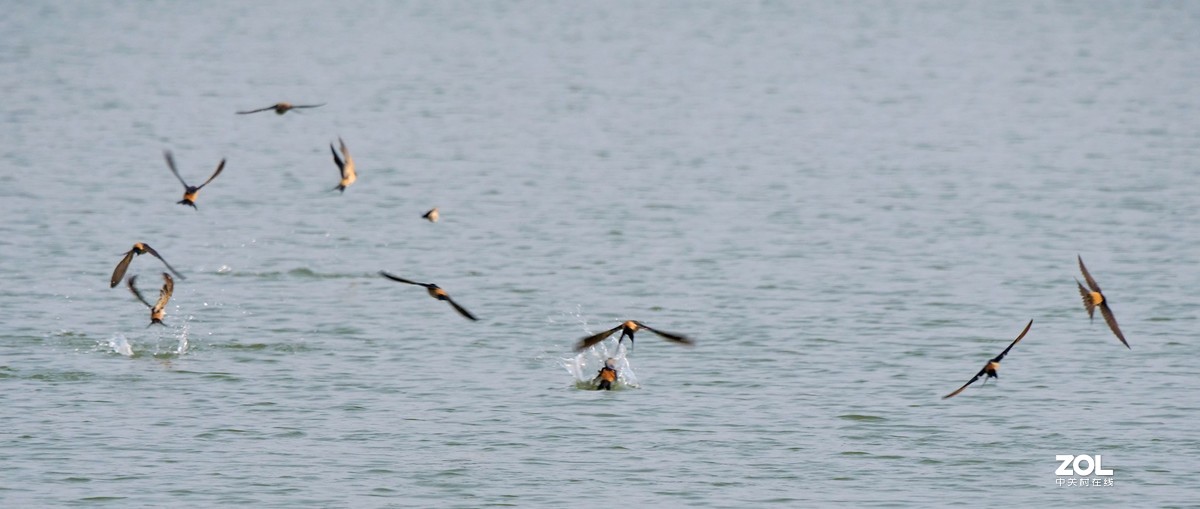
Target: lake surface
{"points": [[850, 208]]}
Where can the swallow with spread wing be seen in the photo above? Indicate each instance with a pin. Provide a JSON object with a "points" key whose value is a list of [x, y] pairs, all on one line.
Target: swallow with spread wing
{"points": [[159, 309], [1095, 298], [189, 192], [627, 329], [990, 368], [345, 167], [434, 291], [281, 108], [138, 249]]}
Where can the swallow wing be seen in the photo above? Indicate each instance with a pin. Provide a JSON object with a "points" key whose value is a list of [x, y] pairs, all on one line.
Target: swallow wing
{"points": [[678, 338], [461, 310], [1014, 343], [1088, 277], [214, 175], [164, 295], [136, 293], [119, 272], [306, 106], [969, 382], [401, 280], [256, 111], [426, 216], [171, 164], [341, 166], [595, 338], [1112, 323], [1088, 303], [160, 258], [346, 154]]}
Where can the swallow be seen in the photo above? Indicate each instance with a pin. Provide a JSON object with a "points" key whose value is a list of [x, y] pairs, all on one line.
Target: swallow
{"points": [[138, 249], [281, 108], [607, 375], [434, 291], [346, 168], [189, 192], [627, 329], [990, 368], [1094, 298], [432, 215], [159, 309]]}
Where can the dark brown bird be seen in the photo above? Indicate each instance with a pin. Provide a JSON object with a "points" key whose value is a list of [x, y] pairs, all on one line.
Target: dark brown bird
{"points": [[432, 215], [346, 168], [606, 376], [1094, 298], [434, 291], [189, 192], [627, 329], [990, 368], [138, 249], [159, 309], [281, 108]]}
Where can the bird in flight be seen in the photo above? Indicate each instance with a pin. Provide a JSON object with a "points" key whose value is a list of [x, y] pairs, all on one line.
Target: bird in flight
{"points": [[1094, 298], [281, 108], [138, 249], [990, 368], [627, 329], [432, 215], [189, 192], [346, 168], [159, 309], [434, 291]]}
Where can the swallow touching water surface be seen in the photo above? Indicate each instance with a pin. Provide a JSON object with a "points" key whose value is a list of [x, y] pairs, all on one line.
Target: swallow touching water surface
{"points": [[138, 249], [432, 215], [189, 192], [345, 167], [990, 368], [159, 309], [627, 329], [607, 375], [281, 108], [434, 291], [1095, 298]]}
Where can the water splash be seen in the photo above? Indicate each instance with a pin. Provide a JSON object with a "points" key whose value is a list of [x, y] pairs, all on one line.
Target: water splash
{"points": [[120, 345], [584, 365]]}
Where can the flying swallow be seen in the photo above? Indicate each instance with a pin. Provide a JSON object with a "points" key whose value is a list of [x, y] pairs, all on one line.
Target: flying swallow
{"points": [[434, 291], [189, 192], [432, 215], [627, 329], [138, 249], [990, 368], [281, 108], [159, 309], [1096, 298], [346, 168], [606, 376]]}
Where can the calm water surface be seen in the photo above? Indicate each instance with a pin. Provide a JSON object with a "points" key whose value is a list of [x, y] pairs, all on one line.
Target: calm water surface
{"points": [[849, 207]]}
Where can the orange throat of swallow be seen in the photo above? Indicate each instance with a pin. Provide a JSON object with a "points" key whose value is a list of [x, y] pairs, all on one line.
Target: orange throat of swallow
{"points": [[991, 368], [608, 375], [1097, 298], [631, 326]]}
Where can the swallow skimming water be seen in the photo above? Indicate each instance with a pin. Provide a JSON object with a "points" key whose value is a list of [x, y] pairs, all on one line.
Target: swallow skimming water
{"points": [[434, 291], [159, 309], [281, 108], [627, 329], [990, 368], [189, 192], [138, 249], [345, 167], [1095, 298]]}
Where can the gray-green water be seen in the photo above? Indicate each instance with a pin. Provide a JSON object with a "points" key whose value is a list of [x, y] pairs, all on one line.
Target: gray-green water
{"points": [[849, 207]]}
